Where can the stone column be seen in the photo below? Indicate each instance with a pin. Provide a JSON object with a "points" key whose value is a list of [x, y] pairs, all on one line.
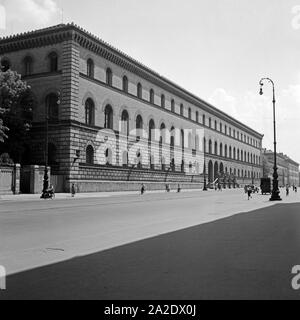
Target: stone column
{"points": [[17, 177]]}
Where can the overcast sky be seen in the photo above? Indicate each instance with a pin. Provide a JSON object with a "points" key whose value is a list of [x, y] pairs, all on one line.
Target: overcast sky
{"points": [[217, 49]]}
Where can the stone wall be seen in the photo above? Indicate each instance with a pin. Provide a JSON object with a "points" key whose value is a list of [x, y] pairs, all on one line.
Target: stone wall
{"points": [[10, 179]]}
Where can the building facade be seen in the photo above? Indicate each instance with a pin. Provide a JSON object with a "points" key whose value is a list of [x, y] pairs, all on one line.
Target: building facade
{"points": [[288, 169], [114, 123]]}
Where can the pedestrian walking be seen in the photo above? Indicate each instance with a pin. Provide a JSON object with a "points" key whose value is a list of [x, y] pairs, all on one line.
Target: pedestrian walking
{"points": [[295, 189], [249, 192], [73, 191], [287, 189], [143, 189], [178, 188]]}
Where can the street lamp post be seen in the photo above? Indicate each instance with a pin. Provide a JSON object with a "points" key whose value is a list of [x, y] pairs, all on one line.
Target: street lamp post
{"points": [[275, 191], [46, 176]]}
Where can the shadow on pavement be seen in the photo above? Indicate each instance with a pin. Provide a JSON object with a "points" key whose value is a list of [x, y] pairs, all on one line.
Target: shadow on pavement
{"points": [[246, 256]]}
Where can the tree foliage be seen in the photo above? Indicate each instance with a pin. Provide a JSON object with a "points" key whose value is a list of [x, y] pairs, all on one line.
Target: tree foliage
{"points": [[16, 102]]}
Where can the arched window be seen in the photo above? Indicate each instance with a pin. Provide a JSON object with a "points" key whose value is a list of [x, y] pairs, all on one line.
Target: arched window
{"points": [[181, 109], [89, 112], [163, 101], [108, 157], [197, 142], [90, 68], [5, 65], [52, 154], [109, 77], [242, 155], [172, 138], [225, 129], [210, 147], [151, 130], [216, 126], [53, 62], [52, 106], [230, 132], [209, 122], [139, 159], [238, 154], [245, 156], [89, 155], [221, 168], [139, 127], [182, 139], [172, 105], [27, 66], [125, 159], [125, 84], [216, 148], [108, 118], [190, 113], [162, 133], [204, 144], [152, 96], [248, 157], [197, 116], [190, 140], [139, 122], [230, 152], [125, 123], [221, 150], [226, 151], [234, 153], [203, 119], [139, 91]]}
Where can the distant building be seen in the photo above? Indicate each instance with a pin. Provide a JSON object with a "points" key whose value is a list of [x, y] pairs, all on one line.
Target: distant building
{"points": [[288, 169], [103, 107]]}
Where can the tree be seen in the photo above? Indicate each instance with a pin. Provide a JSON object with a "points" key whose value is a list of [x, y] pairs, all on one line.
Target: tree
{"points": [[3, 129], [16, 102]]}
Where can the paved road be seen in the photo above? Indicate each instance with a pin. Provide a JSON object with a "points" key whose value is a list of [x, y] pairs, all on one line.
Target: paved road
{"points": [[246, 255]]}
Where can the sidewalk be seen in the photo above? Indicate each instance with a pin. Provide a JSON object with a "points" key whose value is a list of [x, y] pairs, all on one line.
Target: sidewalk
{"points": [[64, 196]]}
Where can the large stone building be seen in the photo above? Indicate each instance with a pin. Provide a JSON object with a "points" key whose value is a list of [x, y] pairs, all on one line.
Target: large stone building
{"points": [[113, 120], [288, 169]]}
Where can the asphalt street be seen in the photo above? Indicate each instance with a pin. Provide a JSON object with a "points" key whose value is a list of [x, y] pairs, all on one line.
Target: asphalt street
{"points": [[161, 246]]}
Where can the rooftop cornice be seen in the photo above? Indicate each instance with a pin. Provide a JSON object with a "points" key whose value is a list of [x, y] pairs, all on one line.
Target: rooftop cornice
{"points": [[63, 32], [33, 39]]}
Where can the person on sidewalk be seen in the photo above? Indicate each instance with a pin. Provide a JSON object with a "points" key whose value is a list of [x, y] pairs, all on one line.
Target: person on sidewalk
{"points": [[143, 189], [287, 189], [73, 191], [249, 192], [178, 188]]}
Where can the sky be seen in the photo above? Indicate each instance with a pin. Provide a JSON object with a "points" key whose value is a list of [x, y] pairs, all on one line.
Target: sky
{"points": [[216, 49]]}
